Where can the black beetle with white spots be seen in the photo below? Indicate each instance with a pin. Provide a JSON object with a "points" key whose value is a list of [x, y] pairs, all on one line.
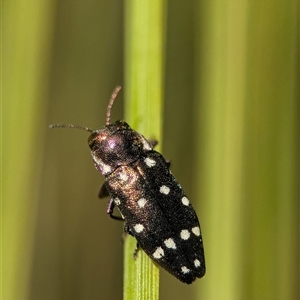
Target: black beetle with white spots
{"points": [[152, 203]]}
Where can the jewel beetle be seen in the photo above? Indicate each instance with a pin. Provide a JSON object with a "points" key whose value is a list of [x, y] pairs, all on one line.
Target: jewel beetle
{"points": [[152, 203]]}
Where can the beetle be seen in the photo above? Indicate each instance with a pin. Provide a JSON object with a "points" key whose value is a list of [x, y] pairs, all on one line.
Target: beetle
{"points": [[152, 203]]}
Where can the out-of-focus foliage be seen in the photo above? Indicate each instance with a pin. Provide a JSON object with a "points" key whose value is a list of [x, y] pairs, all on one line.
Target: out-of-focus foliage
{"points": [[229, 127]]}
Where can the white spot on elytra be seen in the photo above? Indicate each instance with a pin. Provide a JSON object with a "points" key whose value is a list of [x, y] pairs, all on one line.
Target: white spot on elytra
{"points": [[117, 201], [138, 228], [124, 176], [184, 234], [146, 145], [164, 190], [150, 162], [197, 263], [170, 243], [159, 253], [141, 202], [185, 201], [196, 231], [106, 168], [185, 270]]}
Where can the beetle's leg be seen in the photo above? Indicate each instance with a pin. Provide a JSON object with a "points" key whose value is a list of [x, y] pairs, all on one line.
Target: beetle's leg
{"points": [[128, 231], [110, 209], [153, 142], [103, 192], [168, 162], [136, 250]]}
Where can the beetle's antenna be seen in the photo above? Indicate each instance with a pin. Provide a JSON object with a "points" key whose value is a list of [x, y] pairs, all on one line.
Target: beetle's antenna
{"points": [[70, 126], [110, 103]]}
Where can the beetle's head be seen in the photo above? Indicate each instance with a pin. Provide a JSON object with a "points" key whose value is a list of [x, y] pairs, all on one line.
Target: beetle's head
{"points": [[114, 145]]}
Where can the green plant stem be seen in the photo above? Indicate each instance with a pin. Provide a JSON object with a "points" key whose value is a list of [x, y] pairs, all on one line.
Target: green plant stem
{"points": [[144, 49]]}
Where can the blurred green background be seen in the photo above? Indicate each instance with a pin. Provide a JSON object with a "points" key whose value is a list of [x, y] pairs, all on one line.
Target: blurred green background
{"points": [[230, 128]]}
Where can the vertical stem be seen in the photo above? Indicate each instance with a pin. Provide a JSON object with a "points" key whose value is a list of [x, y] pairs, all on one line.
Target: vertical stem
{"points": [[144, 58]]}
